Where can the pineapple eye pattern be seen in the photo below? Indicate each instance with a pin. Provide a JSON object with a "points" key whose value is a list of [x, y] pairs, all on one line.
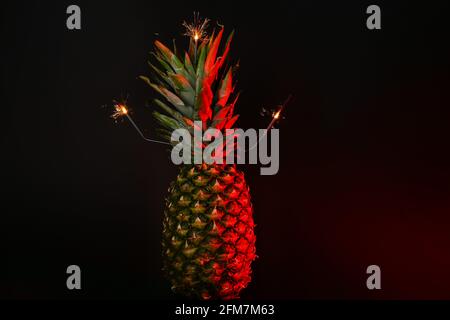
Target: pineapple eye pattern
{"points": [[208, 233]]}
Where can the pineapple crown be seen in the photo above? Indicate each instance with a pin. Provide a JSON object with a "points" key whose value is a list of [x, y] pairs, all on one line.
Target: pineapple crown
{"points": [[195, 87]]}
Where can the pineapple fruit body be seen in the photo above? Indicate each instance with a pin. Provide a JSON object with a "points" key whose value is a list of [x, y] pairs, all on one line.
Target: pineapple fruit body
{"points": [[208, 232]]}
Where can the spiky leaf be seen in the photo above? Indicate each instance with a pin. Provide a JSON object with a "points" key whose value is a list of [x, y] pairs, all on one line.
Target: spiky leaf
{"points": [[225, 89]]}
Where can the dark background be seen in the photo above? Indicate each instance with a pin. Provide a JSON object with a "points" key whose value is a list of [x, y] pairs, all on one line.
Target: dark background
{"points": [[364, 174]]}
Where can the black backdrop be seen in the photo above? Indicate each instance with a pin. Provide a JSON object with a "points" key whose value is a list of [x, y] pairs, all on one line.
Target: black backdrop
{"points": [[364, 173]]}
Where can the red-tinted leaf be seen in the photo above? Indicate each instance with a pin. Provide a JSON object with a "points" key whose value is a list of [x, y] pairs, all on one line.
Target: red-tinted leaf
{"points": [[225, 89], [222, 59], [211, 58], [231, 122], [220, 118], [205, 99], [233, 104]]}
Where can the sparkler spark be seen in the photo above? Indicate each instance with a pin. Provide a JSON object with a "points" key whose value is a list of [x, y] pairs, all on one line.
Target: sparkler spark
{"points": [[196, 36], [277, 114], [275, 117], [121, 110], [197, 28]]}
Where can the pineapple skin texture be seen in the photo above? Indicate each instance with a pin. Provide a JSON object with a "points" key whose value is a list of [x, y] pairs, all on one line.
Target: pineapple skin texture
{"points": [[208, 238]]}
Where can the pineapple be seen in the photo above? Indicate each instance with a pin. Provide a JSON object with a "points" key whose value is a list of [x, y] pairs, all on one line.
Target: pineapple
{"points": [[208, 235]]}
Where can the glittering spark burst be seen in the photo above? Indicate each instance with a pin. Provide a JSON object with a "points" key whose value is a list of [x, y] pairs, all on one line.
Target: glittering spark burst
{"points": [[275, 115], [120, 110], [197, 28]]}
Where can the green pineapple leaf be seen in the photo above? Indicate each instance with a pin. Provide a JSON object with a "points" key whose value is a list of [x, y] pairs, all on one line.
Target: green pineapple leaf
{"points": [[165, 121], [171, 97], [175, 114], [169, 57]]}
